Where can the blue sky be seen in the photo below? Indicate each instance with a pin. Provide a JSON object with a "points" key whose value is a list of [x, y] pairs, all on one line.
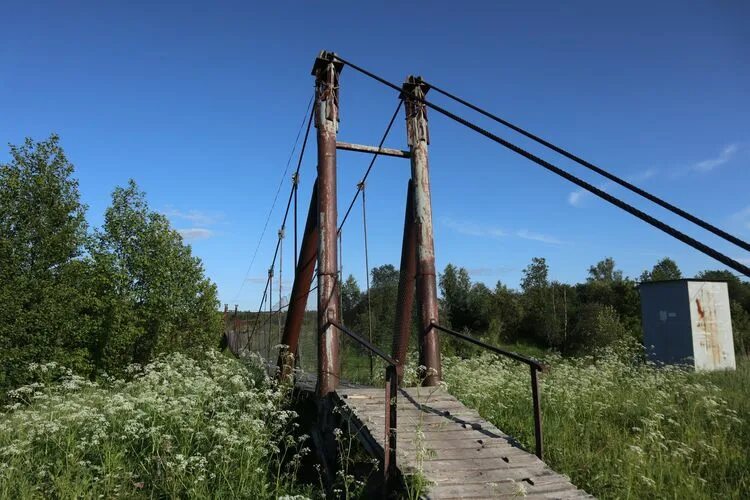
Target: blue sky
{"points": [[200, 103]]}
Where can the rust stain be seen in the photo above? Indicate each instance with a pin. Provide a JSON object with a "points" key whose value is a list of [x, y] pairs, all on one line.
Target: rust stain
{"points": [[708, 324]]}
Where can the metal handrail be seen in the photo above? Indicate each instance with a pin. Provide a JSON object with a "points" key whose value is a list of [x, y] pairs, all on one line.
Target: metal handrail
{"points": [[534, 366], [391, 406]]}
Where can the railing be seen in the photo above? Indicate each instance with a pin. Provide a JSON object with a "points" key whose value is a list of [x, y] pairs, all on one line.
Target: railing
{"points": [[534, 366], [391, 404]]}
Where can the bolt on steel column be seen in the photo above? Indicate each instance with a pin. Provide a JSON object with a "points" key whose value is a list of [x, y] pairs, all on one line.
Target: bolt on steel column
{"points": [[418, 138], [326, 73]]}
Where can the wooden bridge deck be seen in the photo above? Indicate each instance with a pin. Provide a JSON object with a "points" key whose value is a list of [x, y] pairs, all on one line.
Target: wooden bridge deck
{"points": [[460, 454]]}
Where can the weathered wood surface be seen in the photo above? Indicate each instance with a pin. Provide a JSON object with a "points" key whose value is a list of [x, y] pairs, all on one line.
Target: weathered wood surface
{"points": [[459, 453]]}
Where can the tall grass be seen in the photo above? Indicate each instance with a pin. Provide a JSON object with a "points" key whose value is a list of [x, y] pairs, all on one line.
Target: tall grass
{"points": [[179, 428], [619, 427]]}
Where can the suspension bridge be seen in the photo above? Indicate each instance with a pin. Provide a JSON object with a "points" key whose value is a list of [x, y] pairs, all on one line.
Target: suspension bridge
{"points": [[420, 428]]}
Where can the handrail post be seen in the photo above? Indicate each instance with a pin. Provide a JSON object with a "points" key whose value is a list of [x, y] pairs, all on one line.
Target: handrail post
{"points": [[391, 409], [537, 413]]}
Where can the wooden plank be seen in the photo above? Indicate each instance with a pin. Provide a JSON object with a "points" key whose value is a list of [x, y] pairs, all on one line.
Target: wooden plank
{"points": [[463, 455]]}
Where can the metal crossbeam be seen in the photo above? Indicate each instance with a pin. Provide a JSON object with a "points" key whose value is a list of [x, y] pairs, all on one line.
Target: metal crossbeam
{"points": [[361, 148]]}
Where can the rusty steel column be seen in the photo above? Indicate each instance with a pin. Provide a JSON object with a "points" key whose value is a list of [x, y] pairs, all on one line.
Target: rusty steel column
{"points": [[326, 73], [418, 138], [303, 274], [407, 277]]}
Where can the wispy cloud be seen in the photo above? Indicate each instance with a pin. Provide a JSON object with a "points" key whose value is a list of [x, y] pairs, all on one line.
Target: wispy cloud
{"points": [[195, 233], [469, 228], [576, 198], [489, 271], [643, 175], [544, 238], [199, 220], [725, 155], [195, 216], [472, 229], [741, 218]]}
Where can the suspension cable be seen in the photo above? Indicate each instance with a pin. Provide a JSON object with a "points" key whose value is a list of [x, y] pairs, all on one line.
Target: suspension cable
{"points": [[372, 162], [622, 182], [292, 195], [291, 300], [260, 308], [367, 271], [278, 190], [724, 259]]}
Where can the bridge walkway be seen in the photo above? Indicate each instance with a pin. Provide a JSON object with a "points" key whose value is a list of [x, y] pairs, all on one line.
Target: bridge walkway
{"points": [[459, 454]]}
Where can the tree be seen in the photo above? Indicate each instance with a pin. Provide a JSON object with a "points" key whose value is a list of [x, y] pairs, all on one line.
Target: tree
{"points": [[174, 302], [740, 328], [597, 326], [604, 271], [506, 315], [42, 235], [535, 276], [665, 269], [351, 297], [540, 323], [382, 298], [455, 287]]}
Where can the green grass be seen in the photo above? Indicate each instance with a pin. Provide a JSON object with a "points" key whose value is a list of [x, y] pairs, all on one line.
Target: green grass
{"points": [[215, 428], [622, 428]]}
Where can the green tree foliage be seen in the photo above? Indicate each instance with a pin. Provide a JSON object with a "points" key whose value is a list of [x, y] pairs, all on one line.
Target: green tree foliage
{"points": [[91, 301], [373, 308], [604, 271], [740, 328], [350, 298], [455, 287], [42, 236], [156, 279], [665, 269]]}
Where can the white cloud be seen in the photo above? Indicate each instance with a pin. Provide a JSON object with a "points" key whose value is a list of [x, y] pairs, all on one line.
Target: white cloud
{"points": [[472, 229], [468, 228], [577, 197], [726, 154], [489, 271], [195, 233], [544, 238], [643, 175], [742, 218], [195, 216]]}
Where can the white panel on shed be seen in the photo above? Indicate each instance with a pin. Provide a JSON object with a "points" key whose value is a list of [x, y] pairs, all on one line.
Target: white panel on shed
{"points": [[713, 347]]}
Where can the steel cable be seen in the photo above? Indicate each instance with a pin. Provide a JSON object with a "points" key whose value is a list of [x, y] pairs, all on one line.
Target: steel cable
{"points": [[618, 180], [724, 259]]}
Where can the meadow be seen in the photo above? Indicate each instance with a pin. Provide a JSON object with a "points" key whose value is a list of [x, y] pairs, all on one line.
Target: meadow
{"points": [[621, 427], [217, 427], [177, 428]]}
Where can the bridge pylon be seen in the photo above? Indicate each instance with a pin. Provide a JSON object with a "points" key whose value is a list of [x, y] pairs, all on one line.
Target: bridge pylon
{"points": [[418, 139], [326, 71]]}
